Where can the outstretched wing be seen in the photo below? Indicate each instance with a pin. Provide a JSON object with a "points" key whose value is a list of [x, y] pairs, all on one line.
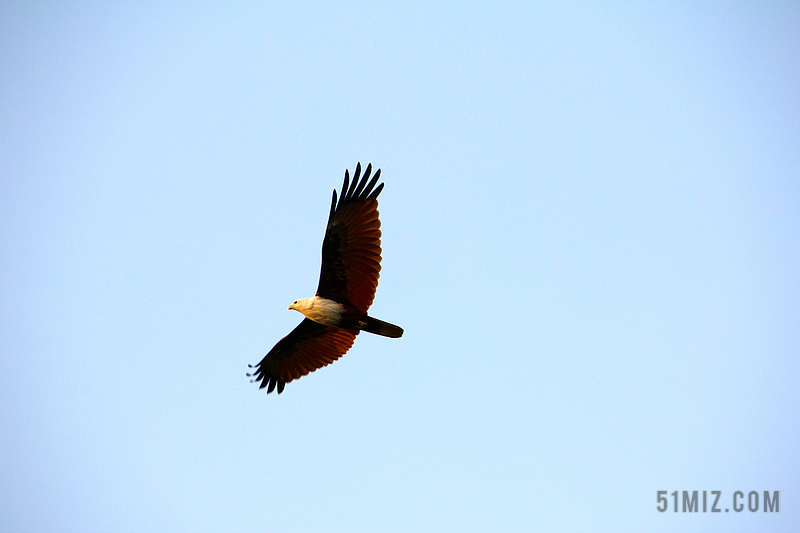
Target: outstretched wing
{"points": [[351, 251], [308, 347]]}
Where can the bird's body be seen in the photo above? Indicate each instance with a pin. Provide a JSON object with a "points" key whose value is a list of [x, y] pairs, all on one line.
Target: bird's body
{"points": [[351, 256], [330, 313]]}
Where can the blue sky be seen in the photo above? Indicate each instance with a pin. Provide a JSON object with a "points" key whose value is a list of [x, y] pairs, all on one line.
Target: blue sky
{"points": [[590, 232]]}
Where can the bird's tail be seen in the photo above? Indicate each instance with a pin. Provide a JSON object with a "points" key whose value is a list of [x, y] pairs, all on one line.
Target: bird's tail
{"points": [[379, 327]]}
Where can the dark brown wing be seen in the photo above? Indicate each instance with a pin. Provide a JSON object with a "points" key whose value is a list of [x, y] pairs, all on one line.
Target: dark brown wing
{"points": [[351, 251], [308, 347]]}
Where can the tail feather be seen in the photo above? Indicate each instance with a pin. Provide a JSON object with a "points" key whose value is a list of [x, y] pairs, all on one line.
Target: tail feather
{"points": [[379, 327]]}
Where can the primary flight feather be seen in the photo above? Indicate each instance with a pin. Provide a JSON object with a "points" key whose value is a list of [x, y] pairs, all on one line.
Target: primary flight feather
{"points": [[351, 264]]}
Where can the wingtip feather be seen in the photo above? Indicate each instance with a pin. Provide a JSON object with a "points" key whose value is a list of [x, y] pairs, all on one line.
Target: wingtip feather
{"points": [[376, 192]]}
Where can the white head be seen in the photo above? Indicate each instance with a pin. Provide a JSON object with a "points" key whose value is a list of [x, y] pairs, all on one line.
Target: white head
{"points": [[320, 310], [302, 305]]}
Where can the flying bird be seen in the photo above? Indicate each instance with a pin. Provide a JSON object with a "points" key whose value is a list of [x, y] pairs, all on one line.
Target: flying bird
{"points": [[351, 264]]}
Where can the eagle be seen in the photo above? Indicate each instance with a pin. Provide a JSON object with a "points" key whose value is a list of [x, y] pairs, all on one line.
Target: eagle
{"points": [[351, 264]]}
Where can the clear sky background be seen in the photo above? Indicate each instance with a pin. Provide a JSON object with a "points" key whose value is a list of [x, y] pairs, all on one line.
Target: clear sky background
{"points": [[591, 234]]}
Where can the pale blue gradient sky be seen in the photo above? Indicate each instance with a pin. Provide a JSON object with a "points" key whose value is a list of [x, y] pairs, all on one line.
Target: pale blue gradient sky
{"points": [[591, 237]]}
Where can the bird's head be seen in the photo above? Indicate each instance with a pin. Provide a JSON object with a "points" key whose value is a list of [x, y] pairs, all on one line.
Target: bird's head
{"points": [[302, 304]]}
